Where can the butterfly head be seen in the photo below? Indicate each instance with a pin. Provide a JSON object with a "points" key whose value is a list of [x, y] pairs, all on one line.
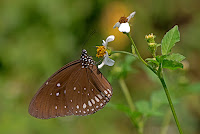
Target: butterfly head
{"points": [[86, 60]]}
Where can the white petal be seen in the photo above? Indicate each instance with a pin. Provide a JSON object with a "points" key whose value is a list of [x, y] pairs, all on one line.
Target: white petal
{"points": [[110, 38], [124, 27], [116, 25], [131, 16], [104, 43], [108, 61], [101, 65]]}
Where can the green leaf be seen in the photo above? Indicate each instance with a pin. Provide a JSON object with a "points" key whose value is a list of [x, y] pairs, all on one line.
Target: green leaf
{"points": [[158, 98], [170, 64], [158, 113], [120, 107], [175, 57], [160, 58], [125, 109], [193, 88], [169, 40], [143, 107], [153, 60]]}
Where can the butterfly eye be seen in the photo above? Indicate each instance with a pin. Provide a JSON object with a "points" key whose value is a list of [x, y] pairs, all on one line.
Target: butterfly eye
{"points": [[78, 88]]}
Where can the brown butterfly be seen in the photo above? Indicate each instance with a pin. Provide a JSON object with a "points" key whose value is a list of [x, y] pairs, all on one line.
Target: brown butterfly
{"points": [[78, 88]]}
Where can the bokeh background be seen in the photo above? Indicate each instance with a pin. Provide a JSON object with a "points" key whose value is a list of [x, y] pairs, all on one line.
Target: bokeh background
{"points": [[38, 37]]}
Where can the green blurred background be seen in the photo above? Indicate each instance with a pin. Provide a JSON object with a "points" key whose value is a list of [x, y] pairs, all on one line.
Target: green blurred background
{"points": [[38, 37]]}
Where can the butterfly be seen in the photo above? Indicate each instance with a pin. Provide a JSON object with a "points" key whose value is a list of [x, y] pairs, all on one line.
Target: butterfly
{"points": [[78, 88]]}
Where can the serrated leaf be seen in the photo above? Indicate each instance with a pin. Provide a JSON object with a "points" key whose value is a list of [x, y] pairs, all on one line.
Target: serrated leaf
{"points": [[175, 57], [170, 64], [169, 40]]}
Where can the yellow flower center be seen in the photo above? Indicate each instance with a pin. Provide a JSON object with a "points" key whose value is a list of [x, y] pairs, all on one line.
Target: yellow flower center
{"points": [[150, 36], [101, 51]]}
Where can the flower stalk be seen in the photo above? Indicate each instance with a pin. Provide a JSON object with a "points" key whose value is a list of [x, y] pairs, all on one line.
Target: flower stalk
{"points": [[159, 73], [160, 76]]}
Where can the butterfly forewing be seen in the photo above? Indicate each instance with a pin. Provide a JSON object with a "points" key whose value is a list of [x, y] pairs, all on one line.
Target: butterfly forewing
{"points": [[78, 88], [43, 104]]}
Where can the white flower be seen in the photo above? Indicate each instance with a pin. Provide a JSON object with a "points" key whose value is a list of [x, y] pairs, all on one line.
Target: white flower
{"points": [[123, 24], [102, 52]]}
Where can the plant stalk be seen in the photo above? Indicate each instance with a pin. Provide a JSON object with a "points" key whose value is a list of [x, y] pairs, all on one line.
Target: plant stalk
{"points": [[138, 54], [170, 103], [127, 94], [139, 125], [160, 76]]}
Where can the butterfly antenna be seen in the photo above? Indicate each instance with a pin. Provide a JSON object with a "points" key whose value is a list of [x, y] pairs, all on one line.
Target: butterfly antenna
{"points": [[91, 34]]}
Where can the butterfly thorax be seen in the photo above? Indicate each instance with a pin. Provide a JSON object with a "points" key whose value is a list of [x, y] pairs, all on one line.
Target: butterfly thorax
{"points": [[86, 60]]}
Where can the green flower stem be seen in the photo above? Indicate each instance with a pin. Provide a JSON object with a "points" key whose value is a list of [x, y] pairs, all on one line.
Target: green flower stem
{"points": [[170, 102], [124, 52], [127, 94], [160, 76], [138, 54], [136, 50]]}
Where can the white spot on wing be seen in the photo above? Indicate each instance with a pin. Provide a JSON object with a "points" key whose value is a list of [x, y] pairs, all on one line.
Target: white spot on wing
{"points": [[109, 91], [88, 109], [58, 85], [97, 106], [84, 105], [77, 106], [84, 112], [105, 92], [64, 91], [65, 106], [93, 101], [89, 103], [74, 88], [84, 88], [57, 94], [100, 97], [96, 99], [50, 93], [101, 104], [47, 83], [56, 107]]}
